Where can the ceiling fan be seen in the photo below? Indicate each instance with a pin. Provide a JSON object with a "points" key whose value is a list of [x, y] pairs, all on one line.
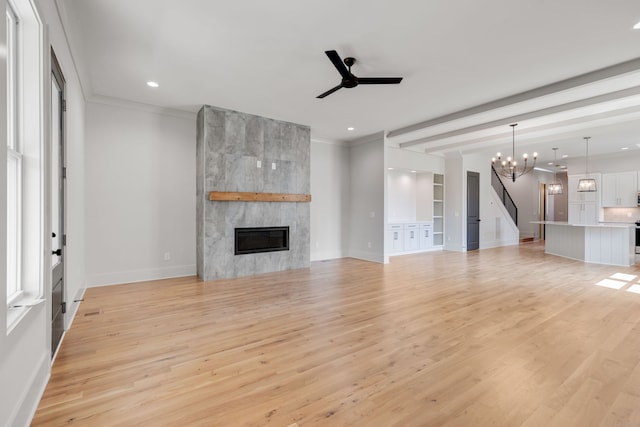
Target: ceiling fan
{"points": [[348, 79]]}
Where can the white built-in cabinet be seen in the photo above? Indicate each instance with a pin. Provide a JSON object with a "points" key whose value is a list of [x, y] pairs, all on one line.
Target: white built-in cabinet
{"points": [[438, 209], [409, 237], [619, 189], [415, 212], [584, 208]]}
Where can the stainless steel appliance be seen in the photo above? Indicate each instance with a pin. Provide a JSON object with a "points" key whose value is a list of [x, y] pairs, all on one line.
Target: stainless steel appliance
{"points": [[637, 236]]}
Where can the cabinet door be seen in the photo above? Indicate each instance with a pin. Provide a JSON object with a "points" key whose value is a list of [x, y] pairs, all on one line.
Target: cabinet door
{"points": [[589, 213], [627, 189], [609, 190], [395, 238], [411, 236], [574, 213], [425, 236]]}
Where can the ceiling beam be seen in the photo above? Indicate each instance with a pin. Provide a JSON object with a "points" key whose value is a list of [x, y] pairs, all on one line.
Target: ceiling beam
{"points": [[612, 96], [583, 79]]}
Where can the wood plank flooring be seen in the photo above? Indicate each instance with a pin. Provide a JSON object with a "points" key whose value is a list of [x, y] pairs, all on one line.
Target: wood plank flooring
{"points": [[498, 337]]}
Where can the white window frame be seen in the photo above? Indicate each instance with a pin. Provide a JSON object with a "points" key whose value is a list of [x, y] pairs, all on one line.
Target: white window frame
{"points": [[14, 155], [27, 88]]}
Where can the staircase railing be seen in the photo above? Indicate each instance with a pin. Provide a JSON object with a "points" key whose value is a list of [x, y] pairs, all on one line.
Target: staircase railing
{"points": [[507, 201]]}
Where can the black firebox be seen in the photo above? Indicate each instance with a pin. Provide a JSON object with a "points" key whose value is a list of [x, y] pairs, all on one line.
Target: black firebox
{"points": [[261, 239]]}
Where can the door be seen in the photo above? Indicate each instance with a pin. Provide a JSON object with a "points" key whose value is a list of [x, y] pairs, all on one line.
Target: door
{"points": [[473, 211], [58, 306], [542, 210]]}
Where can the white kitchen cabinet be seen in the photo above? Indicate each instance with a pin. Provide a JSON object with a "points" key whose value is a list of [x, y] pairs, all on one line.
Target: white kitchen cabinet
{"points": [[619, 189], [586, 213], [411, 237]]}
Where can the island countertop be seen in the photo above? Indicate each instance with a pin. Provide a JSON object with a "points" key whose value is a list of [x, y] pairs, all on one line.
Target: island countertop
{"points": [[602, 243], [600, 224]]}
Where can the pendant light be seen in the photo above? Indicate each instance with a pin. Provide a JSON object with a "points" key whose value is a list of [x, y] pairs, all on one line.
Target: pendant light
{"points": [[555, 188], [509, 168], [586, 184]]}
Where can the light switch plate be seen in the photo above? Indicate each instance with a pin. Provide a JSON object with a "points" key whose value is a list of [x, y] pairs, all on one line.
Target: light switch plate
{"points": [[273, 166]]}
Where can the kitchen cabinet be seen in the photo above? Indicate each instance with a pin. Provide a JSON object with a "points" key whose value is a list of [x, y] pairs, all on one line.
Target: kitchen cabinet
{"points": [[619, 189], [586, 213], [583, 208]]}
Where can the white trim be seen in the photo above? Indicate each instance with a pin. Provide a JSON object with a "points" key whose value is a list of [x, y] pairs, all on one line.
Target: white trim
{"points": [[138, 106], [65, 24], [368, 256], [121, 277], [324, 141], [374, 137], [24, 412]]}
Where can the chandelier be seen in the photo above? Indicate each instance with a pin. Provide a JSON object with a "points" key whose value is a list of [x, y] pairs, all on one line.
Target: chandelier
{"points": [[509, 168], [555, 187]]}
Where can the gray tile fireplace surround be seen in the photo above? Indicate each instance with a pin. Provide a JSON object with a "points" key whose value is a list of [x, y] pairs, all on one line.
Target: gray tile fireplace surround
{"points": [[229, 145]]}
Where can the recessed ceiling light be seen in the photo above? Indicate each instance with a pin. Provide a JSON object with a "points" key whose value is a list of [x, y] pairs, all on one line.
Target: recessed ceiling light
{"points": [[350, 128], [550, 163], [563, 167], [564, 156], [624, 148], [413, 171], [152, 84], [390, 169], [637, 26]]}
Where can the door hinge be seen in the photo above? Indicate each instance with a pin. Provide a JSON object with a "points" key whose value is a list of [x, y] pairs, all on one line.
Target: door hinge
{"points": [[64, 172], [64, 307], [64, 239], [64, 105]]}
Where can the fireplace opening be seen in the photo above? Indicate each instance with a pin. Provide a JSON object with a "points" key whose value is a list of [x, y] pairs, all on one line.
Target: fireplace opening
{"points": [[261, 239]]}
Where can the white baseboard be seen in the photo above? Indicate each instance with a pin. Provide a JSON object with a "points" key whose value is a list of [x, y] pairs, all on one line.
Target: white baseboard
{"points": [[25, 411], [368, 256], [120, 277], [326, 255], [498, 243]]}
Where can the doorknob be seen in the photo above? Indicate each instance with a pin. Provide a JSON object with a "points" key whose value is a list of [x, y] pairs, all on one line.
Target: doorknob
{"points": [[57, 252], [53, 234], [479, 220]]}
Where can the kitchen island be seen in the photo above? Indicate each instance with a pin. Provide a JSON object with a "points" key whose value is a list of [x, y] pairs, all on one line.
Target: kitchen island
{"points": [[603, 243]]}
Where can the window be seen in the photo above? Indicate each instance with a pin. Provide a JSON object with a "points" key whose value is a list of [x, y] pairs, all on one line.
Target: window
{"points": [[14, 164]]}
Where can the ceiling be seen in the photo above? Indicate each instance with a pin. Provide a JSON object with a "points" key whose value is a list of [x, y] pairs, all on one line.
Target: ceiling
{"points": [[470, 68]]}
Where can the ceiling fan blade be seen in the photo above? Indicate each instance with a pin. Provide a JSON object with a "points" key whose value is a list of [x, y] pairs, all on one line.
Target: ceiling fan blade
{"points": [[337, 62], [379, 80], [329, 92]]}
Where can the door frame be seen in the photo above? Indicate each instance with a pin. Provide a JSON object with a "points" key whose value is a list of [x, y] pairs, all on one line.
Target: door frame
{"points": [[58, 303]]}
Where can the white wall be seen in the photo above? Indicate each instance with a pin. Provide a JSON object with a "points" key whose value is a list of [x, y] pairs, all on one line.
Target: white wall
{"points": [[140, 193], [454, 203], [367, 193], [624, 161], [329, 200], [402, 196], [525, 194]]}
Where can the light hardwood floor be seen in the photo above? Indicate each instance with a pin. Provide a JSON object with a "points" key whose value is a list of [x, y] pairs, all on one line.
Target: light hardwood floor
{"points": [[498, 337]]}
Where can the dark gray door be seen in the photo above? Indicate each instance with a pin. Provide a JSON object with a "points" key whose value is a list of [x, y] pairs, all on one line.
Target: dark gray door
{"points": [[57, 203], [473, 211]]}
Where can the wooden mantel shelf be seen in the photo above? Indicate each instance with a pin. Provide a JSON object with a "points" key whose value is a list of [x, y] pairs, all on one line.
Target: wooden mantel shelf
{"points": [[230, 196]]}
